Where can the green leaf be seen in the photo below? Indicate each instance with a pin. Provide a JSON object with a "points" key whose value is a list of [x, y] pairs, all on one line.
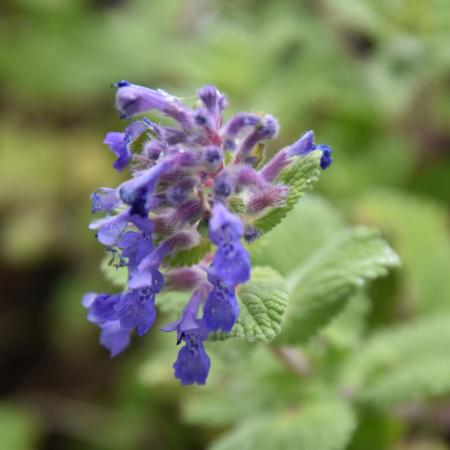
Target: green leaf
{"points": [[321, 288], [346, 329], [312, 222], [423, 378], [324, 425], [300, 178], [401, 365], [419, 230], [216, 407], [237, 205], [262, 303], [190, 256], [118, 276]]}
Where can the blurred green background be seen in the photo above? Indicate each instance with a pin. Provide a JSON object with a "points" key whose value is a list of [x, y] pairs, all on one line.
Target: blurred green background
{"points": [[373, 80]]}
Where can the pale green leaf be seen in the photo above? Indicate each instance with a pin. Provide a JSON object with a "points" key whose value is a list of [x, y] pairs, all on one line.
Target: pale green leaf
{"points": [[346, 329], [324, 425], [419, 230], [402, 364], [321, 288], [262, 304], [312, 222], [416, 380], [237, 205]]}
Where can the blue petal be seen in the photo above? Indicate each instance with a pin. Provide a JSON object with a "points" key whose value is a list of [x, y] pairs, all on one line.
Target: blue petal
{"points": [[114, 338], [192, 365], [104, 199], [117, 144], [103, 307], [232, 263], [304, 145], [224, 226], [221, 309], [137, 309], [110, 228]]}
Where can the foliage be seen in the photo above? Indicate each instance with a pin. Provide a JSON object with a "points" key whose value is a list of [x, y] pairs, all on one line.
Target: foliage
{"points": [[322, 286], [372, 79], [326, 425], [402, 364]]}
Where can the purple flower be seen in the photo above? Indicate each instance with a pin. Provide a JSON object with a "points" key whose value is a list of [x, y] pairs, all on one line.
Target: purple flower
{"points": [[221, 309], [251, 233], [267, 129], [183, 182], [101, 307], [188, 320], [232, 263], [120, 143], [192, 364], [101, 311], [303, 146], [138, 191], [114, 338], [178, 193], [238, 123], [213, 158], [104, 199], [306, 145], [224, 226], [135, 246], [223, 185], [136, 309], [184, 278], [272, 168], [271, 196], [110, 228], [116, 143], [147, 269], [326, 159], [132, 99], [214, 101]]}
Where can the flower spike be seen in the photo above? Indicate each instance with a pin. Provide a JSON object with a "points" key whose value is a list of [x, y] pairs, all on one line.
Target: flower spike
{"points": [[183, 219]]}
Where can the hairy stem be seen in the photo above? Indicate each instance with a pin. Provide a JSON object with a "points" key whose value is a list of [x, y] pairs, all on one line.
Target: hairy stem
{"points": [[293, 359]]}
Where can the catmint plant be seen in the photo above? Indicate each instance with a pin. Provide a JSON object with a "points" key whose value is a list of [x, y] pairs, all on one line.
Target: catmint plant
{"points": [[185, 218]]}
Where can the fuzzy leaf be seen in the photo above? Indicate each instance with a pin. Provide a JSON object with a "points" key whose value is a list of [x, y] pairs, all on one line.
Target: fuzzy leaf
{"points": [[237, 205], [262, 303], [346, 329], [321, 425], [423, 244], [311, 223], [403, 364], [321, 288], [300, 178]]}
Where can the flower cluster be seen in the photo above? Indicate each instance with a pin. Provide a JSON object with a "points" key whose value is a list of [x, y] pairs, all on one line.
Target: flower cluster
{"points": [[180, 197]]}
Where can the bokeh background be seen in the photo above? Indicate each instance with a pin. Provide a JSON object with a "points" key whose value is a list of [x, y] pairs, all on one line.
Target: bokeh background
{"points": [[373, 80]]}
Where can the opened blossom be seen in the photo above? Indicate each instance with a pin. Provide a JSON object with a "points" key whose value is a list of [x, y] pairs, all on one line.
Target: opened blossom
{"points": [[185, 177]]}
